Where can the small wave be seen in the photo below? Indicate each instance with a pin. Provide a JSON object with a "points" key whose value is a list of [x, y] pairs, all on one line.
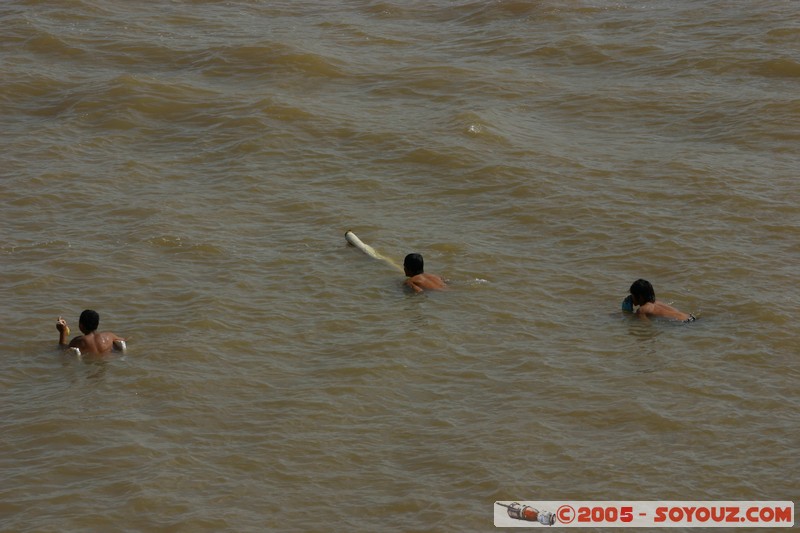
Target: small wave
{"points": [[178, 244], [47, 43], [778, 68], [267, 59]]}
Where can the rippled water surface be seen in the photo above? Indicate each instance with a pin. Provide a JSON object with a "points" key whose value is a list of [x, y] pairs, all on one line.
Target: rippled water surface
{"points": [[189, 168]]}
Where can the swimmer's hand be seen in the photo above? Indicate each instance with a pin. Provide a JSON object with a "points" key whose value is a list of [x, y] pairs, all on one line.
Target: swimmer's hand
{"points": [[61, 326], [627, 304]]}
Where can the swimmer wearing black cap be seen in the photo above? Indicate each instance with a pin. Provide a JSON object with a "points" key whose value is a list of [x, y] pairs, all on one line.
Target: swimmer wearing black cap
{"points": [[419, 280]]}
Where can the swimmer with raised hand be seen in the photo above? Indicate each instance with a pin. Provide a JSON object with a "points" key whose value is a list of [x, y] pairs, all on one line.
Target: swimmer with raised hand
{"points": [[418, 280], [92, 341], [643, 296]]}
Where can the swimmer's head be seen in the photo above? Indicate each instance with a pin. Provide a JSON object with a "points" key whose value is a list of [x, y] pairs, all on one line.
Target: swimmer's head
{"points": [[89, 321], [413, 264], [642, 292]]}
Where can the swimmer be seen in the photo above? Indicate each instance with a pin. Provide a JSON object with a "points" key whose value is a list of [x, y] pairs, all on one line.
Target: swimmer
{"points": [[643, 296], [92, 341], [418, 280]]}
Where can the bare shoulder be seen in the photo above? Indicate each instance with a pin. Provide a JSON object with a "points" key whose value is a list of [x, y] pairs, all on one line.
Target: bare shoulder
{"points": [[78, 342], [646, 309], [412, 284], [106, 339], [667, 311], [441, 282], [428, 281]]}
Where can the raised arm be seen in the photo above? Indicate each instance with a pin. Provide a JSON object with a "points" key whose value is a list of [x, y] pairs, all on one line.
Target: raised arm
{"points": [[63, 332]]}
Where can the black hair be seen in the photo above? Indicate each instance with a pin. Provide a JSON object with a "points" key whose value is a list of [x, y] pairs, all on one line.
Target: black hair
{"points": [[413, 264], [90, 320], [643, 291]]}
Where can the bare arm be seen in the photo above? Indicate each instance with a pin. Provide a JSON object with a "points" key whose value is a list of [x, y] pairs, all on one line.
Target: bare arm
{"points": [[660, 309], [63, 332], [410, 283]]}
